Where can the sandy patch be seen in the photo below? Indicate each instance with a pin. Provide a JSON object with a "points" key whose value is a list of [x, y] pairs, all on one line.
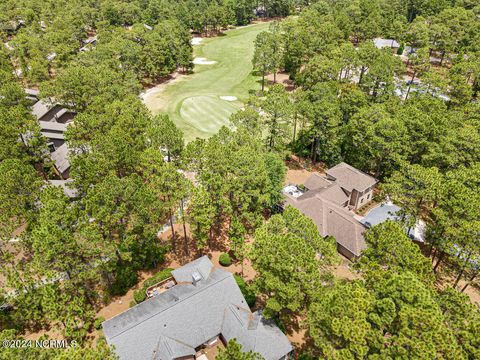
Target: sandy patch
{"points": [[281, 78], [228, 98], [151, 92], [297, 176], [203, 61], [150, 97], [344, 270], [196, 41]]}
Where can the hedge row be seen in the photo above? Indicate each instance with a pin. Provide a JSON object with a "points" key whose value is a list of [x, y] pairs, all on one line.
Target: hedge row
{"points": [[140, 294], [246, 290]]}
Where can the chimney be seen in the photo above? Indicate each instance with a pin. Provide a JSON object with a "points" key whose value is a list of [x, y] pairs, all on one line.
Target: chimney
{"points": [[196, 277]]}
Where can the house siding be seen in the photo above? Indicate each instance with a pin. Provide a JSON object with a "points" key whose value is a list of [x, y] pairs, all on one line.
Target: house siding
{"points": [[345, 252]]}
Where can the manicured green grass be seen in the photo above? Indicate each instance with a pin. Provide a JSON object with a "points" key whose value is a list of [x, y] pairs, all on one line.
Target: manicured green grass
{"points": [[193, 101]]}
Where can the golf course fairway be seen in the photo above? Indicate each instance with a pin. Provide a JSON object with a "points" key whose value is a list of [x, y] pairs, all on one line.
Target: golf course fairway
{"points": [[202, 102]]}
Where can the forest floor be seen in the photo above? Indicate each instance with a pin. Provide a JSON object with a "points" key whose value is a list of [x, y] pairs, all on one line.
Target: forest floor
{"points": [[202, 102]]}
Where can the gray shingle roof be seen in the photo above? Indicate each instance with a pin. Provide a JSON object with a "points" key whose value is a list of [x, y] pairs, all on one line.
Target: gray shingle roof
{"points": [[52, 126], [53, 135], [178, 320], [66, 187], [168, 348], [60, 157], [202, 265], [350, 178], [32, 92], [41, 108], [49, 112], [254, 332], [382, 43]]}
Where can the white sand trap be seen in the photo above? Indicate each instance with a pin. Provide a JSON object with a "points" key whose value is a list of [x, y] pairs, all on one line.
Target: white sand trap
{"points": [[228, 98], [203, 61], [150, 93], [196, 41]]}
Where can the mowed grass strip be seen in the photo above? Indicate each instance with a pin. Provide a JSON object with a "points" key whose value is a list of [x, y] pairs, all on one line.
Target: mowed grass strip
{"points": [[193, 102]]}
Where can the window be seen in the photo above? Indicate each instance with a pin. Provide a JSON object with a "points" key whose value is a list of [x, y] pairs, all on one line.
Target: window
{"points": [[368, 196], [361, 201]]}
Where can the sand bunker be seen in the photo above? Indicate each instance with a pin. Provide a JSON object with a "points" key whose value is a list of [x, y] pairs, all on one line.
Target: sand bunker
{"points": [[196, 40], [228, 98], [203, 61]]}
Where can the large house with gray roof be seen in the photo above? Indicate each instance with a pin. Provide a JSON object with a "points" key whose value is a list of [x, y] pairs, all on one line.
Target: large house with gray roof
{"points": [[204, 306], [329, 200]]}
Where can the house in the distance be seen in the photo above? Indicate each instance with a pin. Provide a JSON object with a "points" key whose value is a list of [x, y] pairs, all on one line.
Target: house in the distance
{"points": [[54, 133], [53, 120], [204, 307], [386, 43], [46, 111], [329, 201]]}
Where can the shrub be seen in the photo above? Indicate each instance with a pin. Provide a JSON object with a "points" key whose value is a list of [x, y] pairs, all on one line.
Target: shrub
{"points": [[160, 276], [98, 322], [306, 356], [247, 292], [280, 324], [132, 303], [139, 295], [225, 260]]}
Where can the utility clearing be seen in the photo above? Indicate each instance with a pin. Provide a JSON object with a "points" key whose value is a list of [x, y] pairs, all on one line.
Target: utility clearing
{"points": [[202, 102]]}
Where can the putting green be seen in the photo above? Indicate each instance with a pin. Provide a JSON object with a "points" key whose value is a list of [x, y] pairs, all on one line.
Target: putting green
{"points": [[193, 101]]}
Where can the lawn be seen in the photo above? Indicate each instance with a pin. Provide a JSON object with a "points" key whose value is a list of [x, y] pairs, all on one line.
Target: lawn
{"points": [[194, 101]]}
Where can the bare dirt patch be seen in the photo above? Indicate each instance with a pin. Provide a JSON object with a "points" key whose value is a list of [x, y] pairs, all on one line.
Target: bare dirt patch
{"points": [[281, 78], [297, 176], [344, 270]]}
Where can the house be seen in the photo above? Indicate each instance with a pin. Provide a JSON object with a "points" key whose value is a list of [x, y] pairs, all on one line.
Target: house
{"points": [[356, 184], [332, 219], [61, 161], [53, 121], [329, 200], [46, 111], [32, 95], [54, 132], [204, 306], [386, 43]]}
